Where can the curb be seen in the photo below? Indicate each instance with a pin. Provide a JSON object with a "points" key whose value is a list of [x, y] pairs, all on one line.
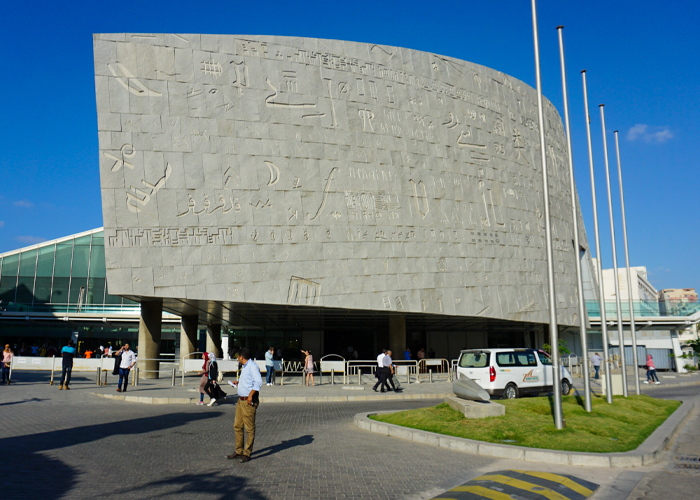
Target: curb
{"points": [[647, 453], [278, 399]]}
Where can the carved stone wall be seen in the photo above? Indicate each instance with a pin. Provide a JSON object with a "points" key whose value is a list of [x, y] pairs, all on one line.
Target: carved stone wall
{"points": [[327, 173]]}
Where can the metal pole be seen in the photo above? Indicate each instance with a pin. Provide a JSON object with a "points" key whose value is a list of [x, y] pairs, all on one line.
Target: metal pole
{"points": [[53, 366], [614, 252], [332, 376], [633, 328], [553, 328], [572, 187], [97, 377], [172, 380], [601, 288]]}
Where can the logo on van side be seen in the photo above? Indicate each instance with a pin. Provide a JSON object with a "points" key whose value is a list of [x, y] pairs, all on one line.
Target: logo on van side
{"points": [[529, 377]]}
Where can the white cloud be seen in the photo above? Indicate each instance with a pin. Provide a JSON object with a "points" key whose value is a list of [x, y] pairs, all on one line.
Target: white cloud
{"points": [[30, 240], [23, 204], [657, 135]]}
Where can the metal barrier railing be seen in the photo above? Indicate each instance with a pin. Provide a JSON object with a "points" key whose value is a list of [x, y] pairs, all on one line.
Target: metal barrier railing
{"points": [[434, 367]]}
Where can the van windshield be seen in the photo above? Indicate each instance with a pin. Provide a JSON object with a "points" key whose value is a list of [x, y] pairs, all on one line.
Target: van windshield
{"points": [[474, 360]]}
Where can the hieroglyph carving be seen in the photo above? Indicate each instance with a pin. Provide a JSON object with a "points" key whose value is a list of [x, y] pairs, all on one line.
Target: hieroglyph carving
{"points": [[136, 196], [421, 198], [303, 292], [132, 84]]}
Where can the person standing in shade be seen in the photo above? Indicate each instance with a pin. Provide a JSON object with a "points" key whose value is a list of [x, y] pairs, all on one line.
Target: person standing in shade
{"points": [[68, 353], [407, 354], [249, 384], [596, 359], [127, 363], [6, 363], [269, 366], [309, 367]]}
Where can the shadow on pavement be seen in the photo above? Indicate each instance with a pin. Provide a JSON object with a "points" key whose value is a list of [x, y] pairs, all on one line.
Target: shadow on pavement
{"points": [[284, 445], [189, 485], [23, 456], [33, 400]]}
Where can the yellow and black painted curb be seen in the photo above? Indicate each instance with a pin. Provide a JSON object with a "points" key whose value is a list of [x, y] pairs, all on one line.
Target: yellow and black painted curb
{"points": [[521, 484]]}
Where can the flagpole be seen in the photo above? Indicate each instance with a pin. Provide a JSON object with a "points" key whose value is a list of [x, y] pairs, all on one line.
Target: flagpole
{"points": [[553, 328], [620, 330], [601, 287], [633, 328], [572, 188]]}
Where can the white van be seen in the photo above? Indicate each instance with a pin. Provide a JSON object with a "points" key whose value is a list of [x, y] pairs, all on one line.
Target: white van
{"points": [[509, 373]]}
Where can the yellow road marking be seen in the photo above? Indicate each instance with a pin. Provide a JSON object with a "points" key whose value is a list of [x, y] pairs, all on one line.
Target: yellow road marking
{"points": [[521, 485], [484, 492], [572, 485]]}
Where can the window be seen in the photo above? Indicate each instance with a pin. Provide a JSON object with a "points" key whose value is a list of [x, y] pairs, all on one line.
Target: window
{"points": [[527, 359], [544, 359], [506, 359], [474, 360]]}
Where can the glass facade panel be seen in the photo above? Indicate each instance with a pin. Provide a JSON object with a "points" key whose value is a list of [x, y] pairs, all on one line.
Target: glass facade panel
{"points": [[44, 273], [61, 279], [25, 283], [96, 282], [79, 272], [8, 278]]}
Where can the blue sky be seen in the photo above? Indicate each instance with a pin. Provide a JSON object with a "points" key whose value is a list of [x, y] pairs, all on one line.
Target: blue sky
{"points": [[642, 59]]}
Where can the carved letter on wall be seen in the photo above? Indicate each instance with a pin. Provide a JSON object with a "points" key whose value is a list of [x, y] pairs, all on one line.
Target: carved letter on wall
{"points": [[325, 195], [140, 89], [303, 292], [418, 198]]}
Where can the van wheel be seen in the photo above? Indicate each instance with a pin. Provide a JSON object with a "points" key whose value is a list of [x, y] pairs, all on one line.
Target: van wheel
{"points": [[510, 392], [565, 387]]}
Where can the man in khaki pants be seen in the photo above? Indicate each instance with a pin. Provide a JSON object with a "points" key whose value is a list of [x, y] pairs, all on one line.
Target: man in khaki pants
{"points": [[248, 385]]}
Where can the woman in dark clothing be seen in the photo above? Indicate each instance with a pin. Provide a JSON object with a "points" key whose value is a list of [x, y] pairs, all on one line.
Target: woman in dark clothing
{"points": [[212, 375]]}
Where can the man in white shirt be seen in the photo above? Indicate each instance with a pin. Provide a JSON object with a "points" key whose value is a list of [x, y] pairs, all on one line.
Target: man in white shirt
{"points": [[388, 364], [595, 359], [380, 368], [128, 362]]}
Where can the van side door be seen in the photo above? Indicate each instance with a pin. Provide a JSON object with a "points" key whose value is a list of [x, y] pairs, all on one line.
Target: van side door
{"points": [[531, 373]]}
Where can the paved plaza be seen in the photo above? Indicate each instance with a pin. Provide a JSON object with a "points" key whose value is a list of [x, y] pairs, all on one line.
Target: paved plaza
{"points": [[73, 444]]}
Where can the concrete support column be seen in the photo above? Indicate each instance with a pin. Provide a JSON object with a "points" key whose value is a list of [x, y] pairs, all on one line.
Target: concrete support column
{"points": [[214, 339], [397, 336], [149, 338], [188, 337]]}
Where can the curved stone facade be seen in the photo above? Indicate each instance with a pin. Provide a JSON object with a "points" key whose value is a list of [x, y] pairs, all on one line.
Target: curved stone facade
{"points": [[293, 171]]}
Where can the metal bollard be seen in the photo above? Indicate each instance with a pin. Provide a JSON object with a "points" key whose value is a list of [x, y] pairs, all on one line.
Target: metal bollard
{"points": [[135, 379], [183, 378], [408, 374], [106, 372], [53, 359], [359, 376], [430, 375], [172, 383], [97, 379], [332, 377]]}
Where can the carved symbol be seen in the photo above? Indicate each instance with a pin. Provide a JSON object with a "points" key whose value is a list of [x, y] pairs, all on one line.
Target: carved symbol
{"points": [[462, 143], [336, 215], [190, 207], [212, 67], [232, 177], [140, 89], [325, 195], [519, 144], [297, 295], [274, 173], [380, 49], [139, 197], [292, 214], [297, 183], [241, 78], [452, 122], [181, 38], [271, 103], [290, 78], [261, 204], [330, 96], [127, 151], [418, 197], [367, 117]]}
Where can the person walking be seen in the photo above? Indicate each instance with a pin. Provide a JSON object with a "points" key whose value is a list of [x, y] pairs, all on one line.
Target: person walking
{"points": [[309, 367], [388, 372], [380, 369], [596, 359], [249, 384], [205, 378], [651, 372], [68, 353], [269, 366], [6, 363], [128, 361]]}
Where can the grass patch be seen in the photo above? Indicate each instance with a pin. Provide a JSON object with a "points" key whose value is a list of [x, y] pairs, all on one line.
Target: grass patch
{"points": [[621, 426]]}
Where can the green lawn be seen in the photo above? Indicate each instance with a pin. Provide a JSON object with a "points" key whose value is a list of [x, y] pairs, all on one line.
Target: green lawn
{"points": [[617, 427]]}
